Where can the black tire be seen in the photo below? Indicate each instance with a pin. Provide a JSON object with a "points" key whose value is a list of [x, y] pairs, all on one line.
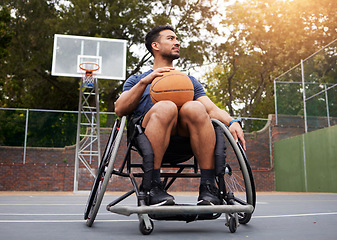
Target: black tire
{"points": [[93, 195], [143, 229], [245, 218], [238, 177], [104, 172], [232, 224], [100, 173]]}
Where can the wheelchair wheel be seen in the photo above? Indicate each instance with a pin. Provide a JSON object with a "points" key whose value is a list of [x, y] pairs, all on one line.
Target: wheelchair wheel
{"points": [[104, 172], [239, 179], [232, 225], [143, 229], [100, 173]]}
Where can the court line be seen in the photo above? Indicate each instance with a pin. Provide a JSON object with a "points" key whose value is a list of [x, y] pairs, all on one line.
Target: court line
{"points": [[136, 220], [47, 214], [297, 215], [37, 204], [71, 204], [63, 221]]}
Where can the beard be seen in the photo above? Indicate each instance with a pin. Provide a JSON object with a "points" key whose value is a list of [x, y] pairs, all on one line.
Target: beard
{"points": [[171, 56]]}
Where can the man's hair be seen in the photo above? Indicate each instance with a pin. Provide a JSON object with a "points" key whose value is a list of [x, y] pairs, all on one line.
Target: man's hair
{"points": [[153, 35]]}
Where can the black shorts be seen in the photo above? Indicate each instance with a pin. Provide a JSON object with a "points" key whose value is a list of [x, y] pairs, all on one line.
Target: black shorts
{"points": [[179, 149]]}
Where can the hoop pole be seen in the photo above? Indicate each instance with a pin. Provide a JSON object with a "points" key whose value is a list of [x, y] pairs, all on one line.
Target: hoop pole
{"points": [[78, 138]]}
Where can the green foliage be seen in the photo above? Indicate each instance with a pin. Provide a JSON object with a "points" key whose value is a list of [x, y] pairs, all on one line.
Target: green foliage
{"points": [[265, 39], [51, 129], [12, 128], [26, 72], [25, 76], [5, 33], [5, 40], [45, 129]]}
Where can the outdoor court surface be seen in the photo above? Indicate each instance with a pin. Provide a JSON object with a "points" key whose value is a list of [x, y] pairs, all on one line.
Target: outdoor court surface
{"points": [[31, 215]]}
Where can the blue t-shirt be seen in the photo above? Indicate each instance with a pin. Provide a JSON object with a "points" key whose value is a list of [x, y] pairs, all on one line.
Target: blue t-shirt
{"points": [[145, 103]]}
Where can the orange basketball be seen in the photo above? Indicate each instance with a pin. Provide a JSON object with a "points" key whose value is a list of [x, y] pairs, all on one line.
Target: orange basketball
{"points": [[174, 86]]}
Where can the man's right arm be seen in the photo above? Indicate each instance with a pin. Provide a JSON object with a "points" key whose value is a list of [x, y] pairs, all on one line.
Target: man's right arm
{"points": [[129, 100]]}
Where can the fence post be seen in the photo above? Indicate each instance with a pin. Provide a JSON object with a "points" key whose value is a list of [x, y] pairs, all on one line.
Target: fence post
{"points": [[327, 104], [304, 99], [304, 163], [275, 99], [25, 142]]}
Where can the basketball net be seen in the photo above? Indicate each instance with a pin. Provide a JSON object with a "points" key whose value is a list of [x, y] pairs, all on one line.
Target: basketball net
{"points": [[88, 76]]}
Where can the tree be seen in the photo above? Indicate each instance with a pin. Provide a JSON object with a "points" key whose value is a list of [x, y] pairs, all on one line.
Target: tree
{"points": [[267, 37], [26, 73], [5, 39], [131, 20], [27, 76], [5, 34]]}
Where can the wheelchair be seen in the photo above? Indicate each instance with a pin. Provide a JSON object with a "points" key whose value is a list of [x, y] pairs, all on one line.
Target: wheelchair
{"points": [[233, 176]]}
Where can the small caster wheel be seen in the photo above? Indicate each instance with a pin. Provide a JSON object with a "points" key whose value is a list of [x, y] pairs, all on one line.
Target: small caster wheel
{"points": [[143, 229], [232, 225]]}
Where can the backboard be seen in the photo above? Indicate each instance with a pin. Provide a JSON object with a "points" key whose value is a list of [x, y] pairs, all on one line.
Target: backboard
{"points": [[70, 51]]}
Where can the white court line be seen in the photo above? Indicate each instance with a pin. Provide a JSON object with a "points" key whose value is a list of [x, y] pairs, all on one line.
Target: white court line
{"points": [[36, 204], [47, 214], [297, 215], [71, 204], [136, 220], [63, 221]]}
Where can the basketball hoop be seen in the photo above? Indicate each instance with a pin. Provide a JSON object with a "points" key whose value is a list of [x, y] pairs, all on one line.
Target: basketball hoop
{"points": [[88, 76]]}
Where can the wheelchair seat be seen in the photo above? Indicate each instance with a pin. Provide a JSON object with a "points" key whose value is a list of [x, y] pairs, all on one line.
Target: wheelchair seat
{"points": [[234, 179]]}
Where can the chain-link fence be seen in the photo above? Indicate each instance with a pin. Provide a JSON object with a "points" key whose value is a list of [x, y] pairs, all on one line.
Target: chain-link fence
{"points": [[309, 90], [42, 128], [57, 128]]}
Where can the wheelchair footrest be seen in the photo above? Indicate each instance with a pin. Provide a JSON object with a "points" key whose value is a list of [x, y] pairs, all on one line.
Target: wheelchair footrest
{"points": [[187, 217], [180, 209], [174, 217]]}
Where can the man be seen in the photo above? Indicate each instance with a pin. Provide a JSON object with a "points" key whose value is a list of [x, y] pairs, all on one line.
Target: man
{"points": [[166, 126]]}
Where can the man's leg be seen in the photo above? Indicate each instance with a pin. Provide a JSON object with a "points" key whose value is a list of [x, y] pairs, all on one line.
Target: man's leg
{"points": [[159, 123], [195, 122]]}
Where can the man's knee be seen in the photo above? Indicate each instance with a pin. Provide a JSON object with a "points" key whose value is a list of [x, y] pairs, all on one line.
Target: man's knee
{"points": [[164, 111], [194, 111]]}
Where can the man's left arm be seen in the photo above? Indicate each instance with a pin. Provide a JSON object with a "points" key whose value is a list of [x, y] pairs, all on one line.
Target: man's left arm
{"points": [[223, 116]]}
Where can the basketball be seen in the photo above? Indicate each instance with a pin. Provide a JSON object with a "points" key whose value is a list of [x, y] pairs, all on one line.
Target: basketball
{"points": [[174, 86]]}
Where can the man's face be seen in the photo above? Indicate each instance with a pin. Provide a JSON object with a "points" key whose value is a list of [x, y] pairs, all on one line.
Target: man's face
{"points": [[168, 44]]}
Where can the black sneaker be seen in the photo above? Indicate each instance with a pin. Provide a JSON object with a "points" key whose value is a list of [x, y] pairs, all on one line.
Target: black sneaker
{"points": [[208, 194], [158, 195]]}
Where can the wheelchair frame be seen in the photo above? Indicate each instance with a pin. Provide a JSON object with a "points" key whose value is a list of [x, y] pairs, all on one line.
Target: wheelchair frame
{"points": [[238, 203]]}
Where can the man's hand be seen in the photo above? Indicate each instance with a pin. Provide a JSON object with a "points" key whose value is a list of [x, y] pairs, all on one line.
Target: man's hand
{"points": [[156, 73], [237, 133]]}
